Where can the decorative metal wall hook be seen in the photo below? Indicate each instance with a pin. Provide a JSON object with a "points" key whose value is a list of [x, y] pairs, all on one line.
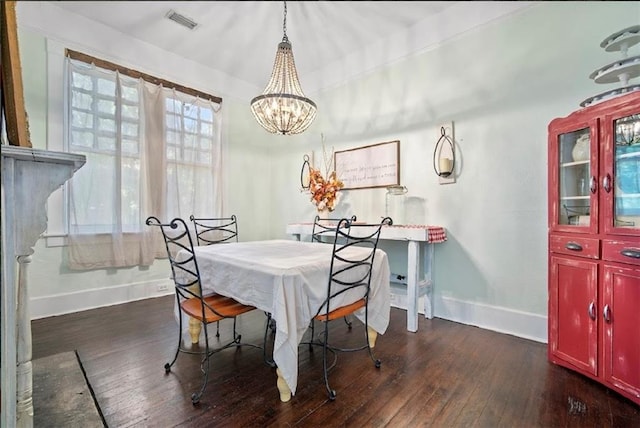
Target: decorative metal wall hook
{"points": [[444, 166], [304, 173]]}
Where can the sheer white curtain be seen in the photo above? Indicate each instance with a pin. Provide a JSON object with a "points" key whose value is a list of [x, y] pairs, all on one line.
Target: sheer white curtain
{"points": [[150, 151]]}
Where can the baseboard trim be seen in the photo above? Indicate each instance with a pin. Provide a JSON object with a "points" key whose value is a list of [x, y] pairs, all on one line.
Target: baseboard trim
{"points": [[65, 303], [502, 320]]}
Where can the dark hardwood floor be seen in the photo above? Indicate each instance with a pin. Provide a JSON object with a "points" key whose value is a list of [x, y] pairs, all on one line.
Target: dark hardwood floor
{"points": [[445, 375]]}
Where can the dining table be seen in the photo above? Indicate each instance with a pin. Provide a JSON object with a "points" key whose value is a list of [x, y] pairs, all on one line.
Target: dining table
{"points": [[288, 279]]}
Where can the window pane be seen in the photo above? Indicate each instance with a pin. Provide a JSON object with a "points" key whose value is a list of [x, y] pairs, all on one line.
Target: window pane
{"points": [[130, 147], [190, 125], [81, 100], [129, 129], [205, 158], [173, 105], [81, 81], [81, 119], [172, 137], [81, 139], [106, 87], [205, 143], [206, 128], [189, 140], [191, 111], [173, 121], [129, 111], [206, 114], [171, 153], [107, 106], [106, 125], [130, 94], [107, 144]]}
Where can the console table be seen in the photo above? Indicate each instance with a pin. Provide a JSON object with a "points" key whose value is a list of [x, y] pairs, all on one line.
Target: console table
{"points": [[420, 240], [29, 176]]}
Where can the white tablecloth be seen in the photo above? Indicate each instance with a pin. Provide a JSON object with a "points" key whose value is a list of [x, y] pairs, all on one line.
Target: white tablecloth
{"points": [[289, 280]]}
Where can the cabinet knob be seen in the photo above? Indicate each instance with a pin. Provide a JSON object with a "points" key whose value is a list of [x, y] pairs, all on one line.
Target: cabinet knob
{"points": [[630, 252], [573, 246], [606, 313], [593, 184], [606, 183], [592, 311]]}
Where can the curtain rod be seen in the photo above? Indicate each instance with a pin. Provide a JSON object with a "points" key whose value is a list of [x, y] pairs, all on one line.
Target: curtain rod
{"points": [[139, 75]]}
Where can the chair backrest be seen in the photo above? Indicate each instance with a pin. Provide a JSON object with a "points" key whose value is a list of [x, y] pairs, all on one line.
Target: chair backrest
{"points": [[351, 268], [324, 229], [215, 230], [184, 267]]}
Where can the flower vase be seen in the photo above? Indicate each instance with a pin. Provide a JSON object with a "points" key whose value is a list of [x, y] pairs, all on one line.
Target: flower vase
{"points": [[323, 214]]}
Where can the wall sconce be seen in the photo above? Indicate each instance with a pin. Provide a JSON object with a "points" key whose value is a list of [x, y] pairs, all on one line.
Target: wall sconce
{"points": [[305, 173], [444, 156]]}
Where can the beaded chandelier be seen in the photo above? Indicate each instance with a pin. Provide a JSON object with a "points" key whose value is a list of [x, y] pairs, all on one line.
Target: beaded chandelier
{"points": [[283, 108]]}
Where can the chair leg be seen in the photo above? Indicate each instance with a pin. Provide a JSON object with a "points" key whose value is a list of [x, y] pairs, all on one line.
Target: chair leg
{"points": [[195, 397], [371, 334], [347, 321], [236, 337], [313, 330], [332, 393], [167, 366], [218, 329], [267, 360]]}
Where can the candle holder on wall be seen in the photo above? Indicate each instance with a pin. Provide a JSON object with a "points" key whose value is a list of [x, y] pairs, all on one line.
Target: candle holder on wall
{"points": [[444, 155], [305, 173]]}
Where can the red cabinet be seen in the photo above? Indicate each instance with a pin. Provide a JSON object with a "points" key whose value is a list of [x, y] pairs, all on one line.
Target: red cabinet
{"points": [[594, 243], [621, 328]]}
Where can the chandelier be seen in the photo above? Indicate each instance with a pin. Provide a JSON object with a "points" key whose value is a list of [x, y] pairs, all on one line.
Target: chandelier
{"points": [[283, 108]]}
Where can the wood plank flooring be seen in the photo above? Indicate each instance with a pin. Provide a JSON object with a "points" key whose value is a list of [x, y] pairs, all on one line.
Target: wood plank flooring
{"points": [[445, 375]]}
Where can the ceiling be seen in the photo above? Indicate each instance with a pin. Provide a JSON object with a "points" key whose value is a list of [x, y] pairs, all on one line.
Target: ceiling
{"points": [[240, 38]]}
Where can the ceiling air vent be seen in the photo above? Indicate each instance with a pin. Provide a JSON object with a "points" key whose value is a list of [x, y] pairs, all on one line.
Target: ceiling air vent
{"points": [[181, 19]]}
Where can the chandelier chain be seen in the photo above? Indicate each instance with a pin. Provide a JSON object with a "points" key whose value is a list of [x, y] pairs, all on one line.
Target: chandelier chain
{"points": [[284, 24]]}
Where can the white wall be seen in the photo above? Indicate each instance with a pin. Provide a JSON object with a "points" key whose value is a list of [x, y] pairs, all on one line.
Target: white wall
{"points": [[500, 85]]}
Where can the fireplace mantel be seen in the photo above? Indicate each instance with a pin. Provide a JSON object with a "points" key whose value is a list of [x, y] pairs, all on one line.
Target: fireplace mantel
{"points": [[29, 176]]}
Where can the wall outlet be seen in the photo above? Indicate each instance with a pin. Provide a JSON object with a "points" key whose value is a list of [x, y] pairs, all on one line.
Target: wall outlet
{"points": [[398, 278], [163, 287]]}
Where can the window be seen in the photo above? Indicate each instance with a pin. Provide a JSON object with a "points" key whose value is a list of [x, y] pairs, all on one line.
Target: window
{"points": [[150, 151], [104, 125]]}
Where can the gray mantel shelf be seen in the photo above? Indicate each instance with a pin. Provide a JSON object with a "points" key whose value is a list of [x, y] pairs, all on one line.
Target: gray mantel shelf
{"points": [[29, 176]]}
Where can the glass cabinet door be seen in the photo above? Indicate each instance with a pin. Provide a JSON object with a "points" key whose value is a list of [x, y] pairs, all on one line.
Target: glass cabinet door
{"points": [[626, 182], [576, 183]]}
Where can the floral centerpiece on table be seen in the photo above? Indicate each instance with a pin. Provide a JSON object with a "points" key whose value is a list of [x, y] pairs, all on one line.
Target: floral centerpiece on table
{"points": [[325, 193]]}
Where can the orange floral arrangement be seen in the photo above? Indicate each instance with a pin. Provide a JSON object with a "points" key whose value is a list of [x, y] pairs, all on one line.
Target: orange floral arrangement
{"points": [[325, 194]]}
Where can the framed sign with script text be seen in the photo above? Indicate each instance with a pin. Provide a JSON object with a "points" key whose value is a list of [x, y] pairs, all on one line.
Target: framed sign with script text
{"points": [[377, 165]]}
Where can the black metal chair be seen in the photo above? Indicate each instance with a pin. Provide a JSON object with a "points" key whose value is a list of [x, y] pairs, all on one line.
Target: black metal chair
{"points": [[221, 230], [324, 229], [189, 297], [349, 273], [215, 230]]}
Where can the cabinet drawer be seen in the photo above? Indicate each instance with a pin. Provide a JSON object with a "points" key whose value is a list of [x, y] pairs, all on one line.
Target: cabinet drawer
{"points": [[575, 246], [621, 251]]}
